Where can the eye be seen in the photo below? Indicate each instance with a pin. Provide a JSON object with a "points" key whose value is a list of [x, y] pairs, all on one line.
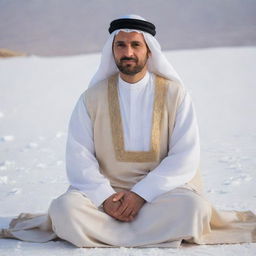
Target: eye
{"points": [[135, 44], [120, 44]]}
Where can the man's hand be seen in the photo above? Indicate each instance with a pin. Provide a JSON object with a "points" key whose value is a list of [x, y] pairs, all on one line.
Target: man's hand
{"points": [[110, 206], [131, 203], [123, 206]]}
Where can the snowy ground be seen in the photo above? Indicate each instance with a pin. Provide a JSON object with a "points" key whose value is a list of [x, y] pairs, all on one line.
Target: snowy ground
{"points": [[37, 96]]}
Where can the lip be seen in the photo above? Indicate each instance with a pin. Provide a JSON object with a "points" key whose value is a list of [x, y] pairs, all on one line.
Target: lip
{"points": [[129, 61]]}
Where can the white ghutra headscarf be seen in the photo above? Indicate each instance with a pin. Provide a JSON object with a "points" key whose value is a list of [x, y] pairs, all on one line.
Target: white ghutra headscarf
{"points": [[157, 62]]}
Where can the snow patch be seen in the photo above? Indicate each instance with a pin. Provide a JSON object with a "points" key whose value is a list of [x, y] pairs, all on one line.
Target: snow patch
{"points": [[3, 180], [7, 164], [41, 165], [7, 138], [58, 163], [14, 191], [32, 145], [60, 134]]}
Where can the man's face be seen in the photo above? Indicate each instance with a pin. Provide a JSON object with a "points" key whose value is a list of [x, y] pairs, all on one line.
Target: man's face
{"points": [[130, 52]]}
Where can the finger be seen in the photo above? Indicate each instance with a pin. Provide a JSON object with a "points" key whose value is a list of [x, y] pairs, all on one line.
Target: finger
{"points": [[120, 218], [129, 219], [127, 212], [118, 196], [123, 219], [121, 209], [115, 207], [133, 214]]}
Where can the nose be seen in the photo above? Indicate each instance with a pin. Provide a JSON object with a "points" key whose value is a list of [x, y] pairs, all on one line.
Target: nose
{"points": [[128, 51]]}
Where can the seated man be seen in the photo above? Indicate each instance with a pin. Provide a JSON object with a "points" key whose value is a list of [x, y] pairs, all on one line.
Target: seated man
{"points": [[133, 158]]}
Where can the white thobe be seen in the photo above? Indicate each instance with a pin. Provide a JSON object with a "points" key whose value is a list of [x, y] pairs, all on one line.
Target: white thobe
{"points": [[136, 106]]}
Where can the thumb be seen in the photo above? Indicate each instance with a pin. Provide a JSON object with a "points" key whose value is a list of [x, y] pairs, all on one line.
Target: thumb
{"points": [[118, 196]]}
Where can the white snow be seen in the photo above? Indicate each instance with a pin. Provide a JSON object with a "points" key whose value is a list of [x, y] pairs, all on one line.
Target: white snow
{"points": [[7, 138], [36, 100]]}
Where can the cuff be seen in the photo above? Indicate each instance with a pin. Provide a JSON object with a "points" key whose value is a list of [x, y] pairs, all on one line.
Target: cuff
{"points": [[99, 195], [150, 188]]}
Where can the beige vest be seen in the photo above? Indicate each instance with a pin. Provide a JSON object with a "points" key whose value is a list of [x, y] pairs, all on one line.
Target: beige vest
{"points": [[125, 168]]}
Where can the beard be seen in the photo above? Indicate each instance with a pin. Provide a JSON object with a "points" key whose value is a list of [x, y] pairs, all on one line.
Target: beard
{"points": [[129, 69]]}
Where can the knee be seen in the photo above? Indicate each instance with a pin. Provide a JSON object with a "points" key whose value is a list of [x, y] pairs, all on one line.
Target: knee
{"points": [[61, 207], [199, 211], [196, 204]]}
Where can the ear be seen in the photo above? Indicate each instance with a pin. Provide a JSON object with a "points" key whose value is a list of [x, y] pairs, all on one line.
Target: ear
{"points": [[113, 43], [148, 52]]}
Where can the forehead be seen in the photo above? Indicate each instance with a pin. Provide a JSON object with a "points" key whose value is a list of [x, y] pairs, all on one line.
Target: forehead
{"points": [[129, 36]]}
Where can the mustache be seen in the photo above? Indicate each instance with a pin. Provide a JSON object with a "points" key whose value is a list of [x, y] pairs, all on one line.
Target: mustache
{"points": [[128, 58]]}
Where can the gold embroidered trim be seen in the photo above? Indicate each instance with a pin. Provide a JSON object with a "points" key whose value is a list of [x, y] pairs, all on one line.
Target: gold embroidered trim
{"points": [[117, 128]]}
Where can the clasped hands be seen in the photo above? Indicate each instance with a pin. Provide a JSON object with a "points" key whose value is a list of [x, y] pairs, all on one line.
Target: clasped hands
{"points": [[123, 206]]}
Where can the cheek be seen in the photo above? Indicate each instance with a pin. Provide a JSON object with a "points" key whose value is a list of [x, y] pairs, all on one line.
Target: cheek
{"points": [[145, 55], [117, 53]]}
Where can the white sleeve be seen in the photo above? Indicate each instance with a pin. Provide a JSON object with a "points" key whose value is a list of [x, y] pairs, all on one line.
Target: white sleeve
{"points": [[182, 161], [82, 167]]}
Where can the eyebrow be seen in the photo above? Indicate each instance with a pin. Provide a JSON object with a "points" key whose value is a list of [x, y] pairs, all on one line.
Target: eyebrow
{"points": [[135, 41]]}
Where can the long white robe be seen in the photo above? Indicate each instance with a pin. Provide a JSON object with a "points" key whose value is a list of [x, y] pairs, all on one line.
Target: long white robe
{"points": [[174, 212], [136, 104]]}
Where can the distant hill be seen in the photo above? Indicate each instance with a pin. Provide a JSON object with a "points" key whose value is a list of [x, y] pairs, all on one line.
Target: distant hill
{"points": [[6, 53], [51, 27]]}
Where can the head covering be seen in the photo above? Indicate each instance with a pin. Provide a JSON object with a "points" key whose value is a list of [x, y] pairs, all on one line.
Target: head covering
{"points": [[157, 62], [142, 25]]}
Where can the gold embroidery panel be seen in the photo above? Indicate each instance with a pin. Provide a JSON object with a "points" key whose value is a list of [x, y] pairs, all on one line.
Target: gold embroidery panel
{"points": [[117, 128]]}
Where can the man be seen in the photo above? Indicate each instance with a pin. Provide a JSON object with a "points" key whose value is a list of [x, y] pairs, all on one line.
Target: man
{"points": [[133, 158]]}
